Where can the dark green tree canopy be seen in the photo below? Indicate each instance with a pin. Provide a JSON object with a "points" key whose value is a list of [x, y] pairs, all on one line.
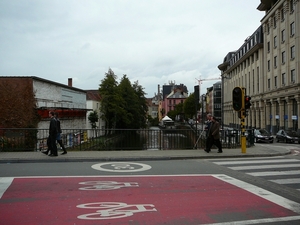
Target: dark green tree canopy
{"points": [[93, 118], [123, 105]]}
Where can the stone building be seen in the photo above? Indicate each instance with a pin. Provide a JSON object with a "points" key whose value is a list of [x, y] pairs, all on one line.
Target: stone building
{"points": [[267, 65]]}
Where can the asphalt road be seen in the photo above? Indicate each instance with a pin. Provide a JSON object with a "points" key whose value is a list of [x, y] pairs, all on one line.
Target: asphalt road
{"points": [[193, 191]]}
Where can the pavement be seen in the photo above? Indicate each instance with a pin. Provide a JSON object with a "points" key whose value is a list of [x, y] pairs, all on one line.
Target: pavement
{"points": [[259, 150]]}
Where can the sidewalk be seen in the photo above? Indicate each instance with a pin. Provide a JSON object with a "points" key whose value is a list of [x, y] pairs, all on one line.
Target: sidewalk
{"points": [[142, 155]]}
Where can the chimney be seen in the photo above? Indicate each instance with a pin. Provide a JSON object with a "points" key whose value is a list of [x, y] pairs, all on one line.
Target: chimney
{"points": [[70, 82]]}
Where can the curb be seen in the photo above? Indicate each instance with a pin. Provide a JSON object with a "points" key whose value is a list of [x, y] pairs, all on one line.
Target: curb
{"points": [[141, 158]]}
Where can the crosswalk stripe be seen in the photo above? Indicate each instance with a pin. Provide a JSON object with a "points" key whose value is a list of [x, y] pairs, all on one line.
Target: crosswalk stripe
{"points": [[274, 173], [257, 161], [263, 167], [287, 181]]}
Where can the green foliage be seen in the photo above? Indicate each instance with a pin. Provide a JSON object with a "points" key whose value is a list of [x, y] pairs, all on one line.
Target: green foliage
{"points": [[109, 96], [123, 105], [93, 118], [153, 121], [189, 106], [176, 112]]}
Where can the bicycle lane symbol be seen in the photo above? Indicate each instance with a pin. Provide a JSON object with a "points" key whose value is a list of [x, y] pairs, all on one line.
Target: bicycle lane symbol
{"points": [[123, 167], [113, 210], [106, 185]]}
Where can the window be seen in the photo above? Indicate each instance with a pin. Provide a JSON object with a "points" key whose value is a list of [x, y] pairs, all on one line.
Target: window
{"points": [[268, 65], [282, 36], [292, 6], [275, 61], [275, 81], [274, 21], [257, 79], [293, 76], [283, 57], [293, 52], [268, 28], [268, 46], [292, 28], [282, 13], [283, 81], [275, 41], [269, 83]]}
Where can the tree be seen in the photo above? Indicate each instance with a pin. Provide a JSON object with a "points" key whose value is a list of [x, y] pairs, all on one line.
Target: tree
{"points": [[18, 105], [123, 105], [126, 116], [141, 105], [110, 99], [189, 106], [178, 111], [93, 118], [133, 104]]}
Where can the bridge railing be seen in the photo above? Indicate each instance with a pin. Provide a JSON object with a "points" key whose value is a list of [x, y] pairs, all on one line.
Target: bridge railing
{"points": [[30, 139]]}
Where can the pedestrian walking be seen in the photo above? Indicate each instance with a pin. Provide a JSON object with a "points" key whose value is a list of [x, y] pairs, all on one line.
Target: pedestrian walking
{"points": [[51, 141], [214, 135], [58, 136], [207, 129]]}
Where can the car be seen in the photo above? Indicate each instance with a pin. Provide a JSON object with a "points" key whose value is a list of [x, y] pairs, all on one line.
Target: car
{"points": [[288, 136], [262, 135]]}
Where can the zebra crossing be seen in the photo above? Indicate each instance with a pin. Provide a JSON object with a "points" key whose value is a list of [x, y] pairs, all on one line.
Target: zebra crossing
{"points": [[279, 170]]}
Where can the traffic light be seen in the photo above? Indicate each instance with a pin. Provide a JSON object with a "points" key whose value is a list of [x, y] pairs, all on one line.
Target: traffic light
{"points": [[196, 93], [238, 99], [247, 102]]}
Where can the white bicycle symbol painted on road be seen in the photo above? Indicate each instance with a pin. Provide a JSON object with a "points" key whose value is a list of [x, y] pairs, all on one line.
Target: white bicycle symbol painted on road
{"points": [[113, 210], [106, 185], [123, 167]]}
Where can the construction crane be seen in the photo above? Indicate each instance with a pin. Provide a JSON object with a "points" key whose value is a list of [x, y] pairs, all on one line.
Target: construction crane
{"points": [[200, 80]]}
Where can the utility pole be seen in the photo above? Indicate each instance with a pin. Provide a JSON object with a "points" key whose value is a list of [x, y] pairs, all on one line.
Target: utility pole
{"points": [[199, 83]]}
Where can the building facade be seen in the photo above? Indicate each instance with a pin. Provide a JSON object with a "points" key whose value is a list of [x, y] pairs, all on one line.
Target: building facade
{"points": [[267, 65], [93, 103]]}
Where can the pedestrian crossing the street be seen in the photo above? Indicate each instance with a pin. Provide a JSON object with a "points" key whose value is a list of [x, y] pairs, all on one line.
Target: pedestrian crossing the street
{"points": [[279, 170]]}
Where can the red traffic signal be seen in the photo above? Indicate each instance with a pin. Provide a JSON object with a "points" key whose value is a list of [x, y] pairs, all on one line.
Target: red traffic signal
{"points": [[247, 102]]}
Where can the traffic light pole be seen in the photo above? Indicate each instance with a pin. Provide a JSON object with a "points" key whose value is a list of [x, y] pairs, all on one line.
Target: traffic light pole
{"points": [[243, 115], [243, 136], [238, 104]]}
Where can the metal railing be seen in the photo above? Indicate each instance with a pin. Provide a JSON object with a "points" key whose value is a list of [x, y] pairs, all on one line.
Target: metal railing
{"points": [[14, 139]]}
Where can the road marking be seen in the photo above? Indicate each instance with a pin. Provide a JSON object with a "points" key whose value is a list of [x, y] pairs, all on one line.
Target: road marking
{"points": [[277, 199], [257, 161], [260, 221], [264, 167], [5, 182], [287, 181], [107, 209], [124, 167], [275, 173]]}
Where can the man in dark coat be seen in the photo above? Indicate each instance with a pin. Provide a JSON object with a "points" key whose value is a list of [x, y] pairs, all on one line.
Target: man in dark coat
{"points": [[58, 137], [52, 135], [207, 129], [214, 134]]}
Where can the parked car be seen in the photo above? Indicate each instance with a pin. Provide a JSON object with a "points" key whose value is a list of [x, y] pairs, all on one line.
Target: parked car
{"points": [[261, 135], [288, 136]]}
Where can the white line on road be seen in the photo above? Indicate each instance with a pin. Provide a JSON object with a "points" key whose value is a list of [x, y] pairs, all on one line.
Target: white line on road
{"points": [[275, 173], [287, 181], [5, 182], [257, 161], [260, 221], [264, 167], [272, 197]]}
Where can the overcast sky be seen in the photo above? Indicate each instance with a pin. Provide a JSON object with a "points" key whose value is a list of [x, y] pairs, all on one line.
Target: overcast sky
{"points": [[152, 41]]}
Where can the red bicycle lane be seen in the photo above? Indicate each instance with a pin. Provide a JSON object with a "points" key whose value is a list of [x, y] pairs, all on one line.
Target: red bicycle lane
{"points": [[186, 199]]}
